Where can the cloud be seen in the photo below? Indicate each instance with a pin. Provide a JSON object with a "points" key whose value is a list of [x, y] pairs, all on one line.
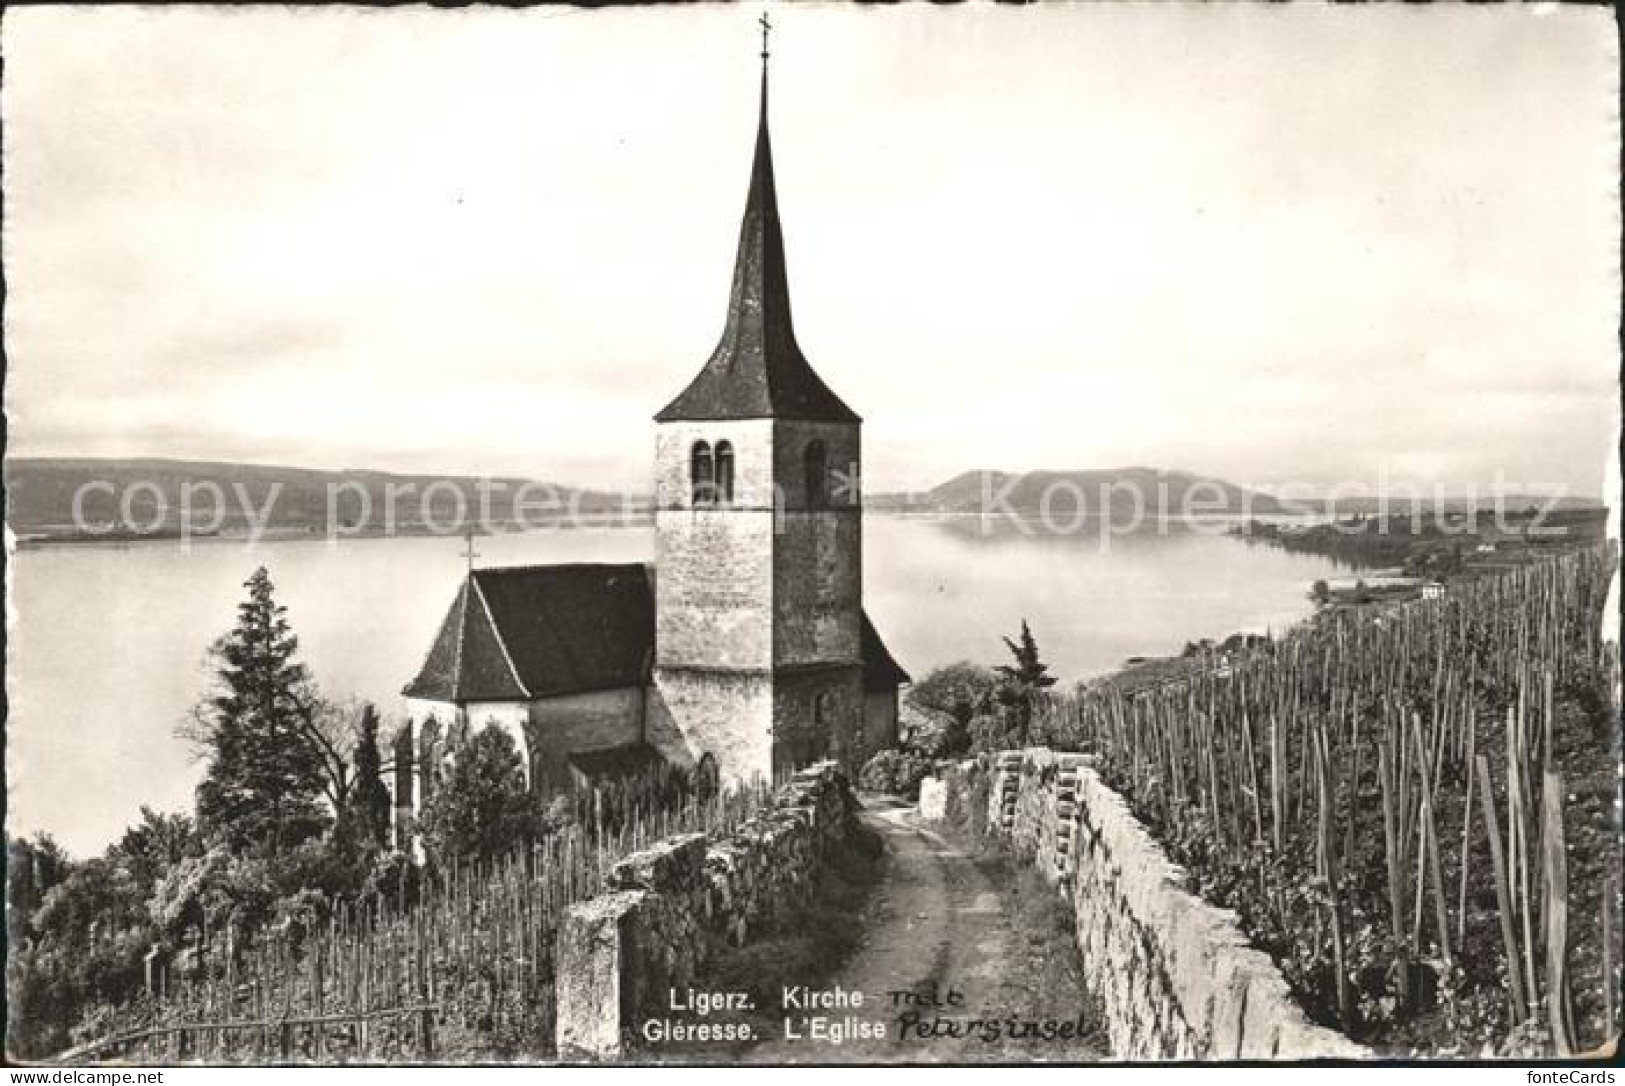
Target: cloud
{"points": [[1257, 242]]}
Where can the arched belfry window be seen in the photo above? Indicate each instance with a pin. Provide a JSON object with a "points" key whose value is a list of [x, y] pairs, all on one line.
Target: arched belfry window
{"points": [[816, 464], [702, 483], [725, 472]]}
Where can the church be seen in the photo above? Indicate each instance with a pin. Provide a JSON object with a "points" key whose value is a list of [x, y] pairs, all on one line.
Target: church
{"points": [[745, 650]]}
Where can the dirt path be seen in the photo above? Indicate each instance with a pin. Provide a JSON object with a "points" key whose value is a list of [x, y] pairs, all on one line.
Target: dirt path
{"points": [[947, 919]]}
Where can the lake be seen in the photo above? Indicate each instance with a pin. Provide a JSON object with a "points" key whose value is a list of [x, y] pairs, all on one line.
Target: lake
{"points": [[109, 644]]}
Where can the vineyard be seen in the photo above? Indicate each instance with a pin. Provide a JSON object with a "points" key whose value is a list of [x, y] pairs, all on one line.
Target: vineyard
{"points": [[455, 965], [1413, 810]]}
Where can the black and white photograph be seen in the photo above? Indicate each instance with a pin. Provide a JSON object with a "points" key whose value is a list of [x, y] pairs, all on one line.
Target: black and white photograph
{"points": [[811, 534]]}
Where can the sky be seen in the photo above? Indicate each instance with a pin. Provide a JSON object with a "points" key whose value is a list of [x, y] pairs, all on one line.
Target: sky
{"points": [[1361, 246]]}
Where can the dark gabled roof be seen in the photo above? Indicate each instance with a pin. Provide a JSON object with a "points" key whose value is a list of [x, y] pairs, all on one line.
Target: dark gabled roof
{"points": [[880, 670], [528, 632], [574, 628], [758, 371], [467, 661]]}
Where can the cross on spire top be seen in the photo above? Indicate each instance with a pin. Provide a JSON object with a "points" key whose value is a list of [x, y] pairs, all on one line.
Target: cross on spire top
{"points": [[766, 26], [469, 552]]}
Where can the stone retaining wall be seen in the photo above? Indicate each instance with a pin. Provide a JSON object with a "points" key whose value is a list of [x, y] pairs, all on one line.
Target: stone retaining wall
{"points": [[672, 906], [1174, 976]]}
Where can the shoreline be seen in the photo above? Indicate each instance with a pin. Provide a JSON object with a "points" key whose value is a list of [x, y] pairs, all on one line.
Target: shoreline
{"points": [[1216, 522], [302, 535]]}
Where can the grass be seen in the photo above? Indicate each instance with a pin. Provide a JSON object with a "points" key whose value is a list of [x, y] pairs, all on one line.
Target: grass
{"points": [[1053, 966], [824, 940]]}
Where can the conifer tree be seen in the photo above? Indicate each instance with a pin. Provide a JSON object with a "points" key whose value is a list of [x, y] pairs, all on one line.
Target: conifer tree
{"points": [[263, 786], [1030, 674], [1021, 683], [431, 756], [482, 808], [371, 797]]}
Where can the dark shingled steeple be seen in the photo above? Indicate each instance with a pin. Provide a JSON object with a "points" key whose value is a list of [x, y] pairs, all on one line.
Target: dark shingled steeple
{"points": [[758, 371]]}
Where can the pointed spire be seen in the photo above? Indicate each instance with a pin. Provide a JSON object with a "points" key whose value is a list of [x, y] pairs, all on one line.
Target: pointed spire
{"points": [[758, 370]]}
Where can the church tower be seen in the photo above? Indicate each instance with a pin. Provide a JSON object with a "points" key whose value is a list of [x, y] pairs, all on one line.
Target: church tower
{"points": [[759, 642]]}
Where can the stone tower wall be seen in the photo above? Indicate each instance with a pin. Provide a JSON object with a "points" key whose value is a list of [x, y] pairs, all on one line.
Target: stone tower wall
{"points": [[817, 715], [842, 445], [817, 589], [752, 440], [759, 600], [714, 589], [818, 560], [728, 715]]}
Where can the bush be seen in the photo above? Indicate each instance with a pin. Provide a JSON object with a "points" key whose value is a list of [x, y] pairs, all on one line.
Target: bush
{"points": [[895, 771], [966, 809], [394, 878], [961, 690], [931, 733], [483, 807], [1001, 729]]}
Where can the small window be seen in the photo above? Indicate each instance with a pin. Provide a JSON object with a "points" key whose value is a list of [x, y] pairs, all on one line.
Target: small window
{"points": [[702, 483], [725, 472], [817, 474]]}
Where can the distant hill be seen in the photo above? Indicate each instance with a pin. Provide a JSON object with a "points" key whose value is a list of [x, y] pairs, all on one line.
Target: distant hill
{"points": [[1119, 491], [1512, 503], [146, 499]]}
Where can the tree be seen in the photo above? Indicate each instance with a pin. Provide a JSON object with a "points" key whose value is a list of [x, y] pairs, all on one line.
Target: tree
{"points": [[1022, 682], [1029, 674], [32, 868], [334, 732], [431, 756], [962, 691], [209, 894], [83, 947], [1197, 648], [370, 798], [482, 808], [154, 845], [997, 729], [264, 783]]}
